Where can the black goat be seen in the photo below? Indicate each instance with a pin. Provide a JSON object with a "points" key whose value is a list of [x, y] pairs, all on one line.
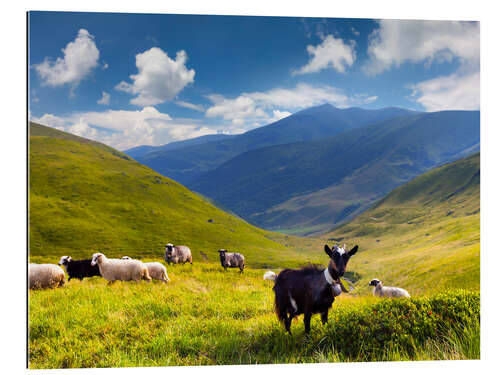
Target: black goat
{"points": [[78, 269], [309, 290]]}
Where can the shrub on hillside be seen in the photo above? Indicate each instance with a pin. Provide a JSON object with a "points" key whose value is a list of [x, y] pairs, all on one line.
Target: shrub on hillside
{"points": [[402, 325]]}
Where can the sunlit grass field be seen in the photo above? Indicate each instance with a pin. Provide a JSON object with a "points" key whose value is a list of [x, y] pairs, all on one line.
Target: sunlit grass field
{"points": [[206, 316], [86, 197]]}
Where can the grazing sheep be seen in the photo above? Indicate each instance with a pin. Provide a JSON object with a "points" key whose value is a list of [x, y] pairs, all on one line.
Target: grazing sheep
{"points": [[231, 260], [309, 290], [156, 270], [270, 275], [117, 269], [42, 276], [78, 269], [387, 291], [177, 254]]}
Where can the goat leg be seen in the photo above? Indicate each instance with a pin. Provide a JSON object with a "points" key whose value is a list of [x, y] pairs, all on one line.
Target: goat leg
{"points": [[324, 316], [307, 322]]}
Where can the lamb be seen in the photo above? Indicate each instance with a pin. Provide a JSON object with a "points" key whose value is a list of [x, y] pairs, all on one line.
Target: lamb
{"points": [[231, 260], [156, 270], [177, 254], [42, 276], [387, 291], [78, 269], [117, 269]]}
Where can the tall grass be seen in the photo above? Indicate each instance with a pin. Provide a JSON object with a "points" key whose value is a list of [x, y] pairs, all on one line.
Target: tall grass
{"points": [[206, 316]]}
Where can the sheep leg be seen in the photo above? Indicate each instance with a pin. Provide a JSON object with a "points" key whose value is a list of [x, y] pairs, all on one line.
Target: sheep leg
{"points": [[324, 317], [111, 282]]}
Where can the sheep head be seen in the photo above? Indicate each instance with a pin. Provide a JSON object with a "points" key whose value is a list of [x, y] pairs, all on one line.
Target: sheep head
{"points": [[64, 260], [97, 258]]}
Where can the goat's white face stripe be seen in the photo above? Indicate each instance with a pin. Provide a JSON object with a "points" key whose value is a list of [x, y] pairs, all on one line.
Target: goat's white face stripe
{"points": [[340, 250]]}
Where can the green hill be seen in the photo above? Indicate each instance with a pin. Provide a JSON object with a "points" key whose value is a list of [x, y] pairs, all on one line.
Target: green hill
{"points": [[423, 236], [86, 197]]}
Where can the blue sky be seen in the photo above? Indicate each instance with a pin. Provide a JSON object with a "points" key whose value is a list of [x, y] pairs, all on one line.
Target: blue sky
{"points": [[134, 79]]}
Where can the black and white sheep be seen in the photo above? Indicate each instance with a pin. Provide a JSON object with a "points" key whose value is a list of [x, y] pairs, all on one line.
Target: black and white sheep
{"points": [[117, 269], [177, 254], [231, 260], [156, 270], [41, 276], [387, 291], [78, 269]]}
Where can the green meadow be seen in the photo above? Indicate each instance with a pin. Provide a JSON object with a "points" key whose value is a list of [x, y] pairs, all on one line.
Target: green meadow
{"points": [[206, 316], [86, 197]]}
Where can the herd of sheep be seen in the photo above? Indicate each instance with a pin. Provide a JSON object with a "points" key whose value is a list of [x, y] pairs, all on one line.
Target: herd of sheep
{"points": [[41, 276]]}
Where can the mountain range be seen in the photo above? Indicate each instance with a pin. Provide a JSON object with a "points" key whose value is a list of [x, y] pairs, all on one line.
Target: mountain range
{"points": [[200, 155], [321, 166]]}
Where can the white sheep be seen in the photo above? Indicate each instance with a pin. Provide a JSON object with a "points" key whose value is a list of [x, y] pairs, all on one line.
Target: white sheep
{"points": [[156, 270], [117, 269], [387, 291], [42, 276]]}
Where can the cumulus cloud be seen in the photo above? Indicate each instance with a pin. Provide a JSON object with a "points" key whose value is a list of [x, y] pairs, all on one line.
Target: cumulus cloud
{"points": [[396, 42], [159, 78], [105, 99], [80, 57], [455, 91], [331, 53], [125, 129]]}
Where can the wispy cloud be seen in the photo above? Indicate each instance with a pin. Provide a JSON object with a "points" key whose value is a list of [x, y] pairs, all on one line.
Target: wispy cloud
{"points": [[455, 91], [104, 99], [395, 42], [195, 107], [265, 106], [125, 129]]}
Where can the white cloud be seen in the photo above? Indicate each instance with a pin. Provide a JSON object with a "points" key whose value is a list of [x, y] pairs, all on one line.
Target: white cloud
{"points": [[455, 91], [105, 99], [105, 66], [272, 105], [126, 129], [278, 115], [331, 53], [195, 107], [159, 78], [269, 105], [80, 57], [395, 42]]}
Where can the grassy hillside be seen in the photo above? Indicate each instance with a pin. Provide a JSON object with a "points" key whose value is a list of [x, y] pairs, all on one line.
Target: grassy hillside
{"points": [[206, 316], [310, 186], [423, 236], [86, 197], [186, 164]]}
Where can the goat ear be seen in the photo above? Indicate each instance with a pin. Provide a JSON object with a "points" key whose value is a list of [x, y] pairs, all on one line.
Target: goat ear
{"points": [[328, 251], [353, 251]]}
